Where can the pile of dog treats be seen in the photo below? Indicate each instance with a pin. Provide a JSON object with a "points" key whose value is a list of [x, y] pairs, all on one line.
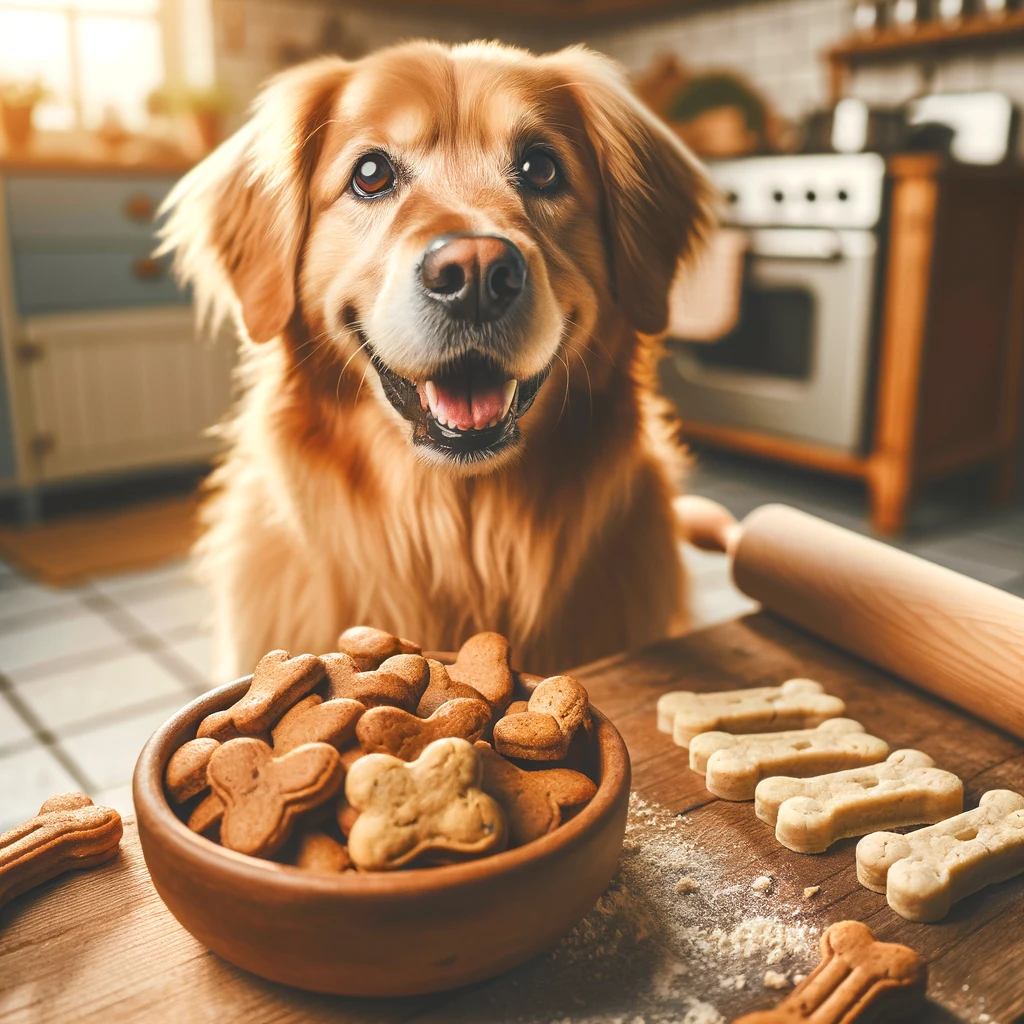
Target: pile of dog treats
{"points": [[375, 757], [816, 778]]}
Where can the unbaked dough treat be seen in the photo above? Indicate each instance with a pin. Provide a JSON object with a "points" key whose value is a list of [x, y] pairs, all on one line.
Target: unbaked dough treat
{"points": [[796, 704], [440, 689], [434, 803], [857, 976], [264, 795], [483, 663], [368, 647], [185, 775], [534, 803], [924, 873], [557, 709], [733, 765], [314, 720], [809, 815], [278, 682], [68, 833], [399, 682], [394, 731], [317, 851]]}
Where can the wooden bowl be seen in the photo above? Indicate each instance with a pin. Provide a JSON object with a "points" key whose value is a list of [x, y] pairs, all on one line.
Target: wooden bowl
{"points": [[388, 933]]}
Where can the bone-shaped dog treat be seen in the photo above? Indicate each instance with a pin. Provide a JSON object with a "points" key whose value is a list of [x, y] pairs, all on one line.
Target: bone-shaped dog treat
{"points": [[483, 663], [924, 873], [314, 720], [319, 852], [69, 832], [556, 711], [809, 815], [441, 689], [857, 973], [796, 704], [368, 647], [434, 803], [399, 682], [534, 802], [185, 776], [734, 765], [207, 813], [278, 682], [263, 795], [394, 731]]}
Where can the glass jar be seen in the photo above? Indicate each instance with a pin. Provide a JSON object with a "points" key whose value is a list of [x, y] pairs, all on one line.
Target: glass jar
{"points": [[908, 13], [868, 15]]}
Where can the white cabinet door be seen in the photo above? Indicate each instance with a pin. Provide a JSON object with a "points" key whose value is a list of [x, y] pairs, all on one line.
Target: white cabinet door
{"points": [[121, 390]]}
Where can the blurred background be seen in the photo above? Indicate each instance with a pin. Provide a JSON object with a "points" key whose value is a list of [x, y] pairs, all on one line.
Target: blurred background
{"points": [[850, 344]]}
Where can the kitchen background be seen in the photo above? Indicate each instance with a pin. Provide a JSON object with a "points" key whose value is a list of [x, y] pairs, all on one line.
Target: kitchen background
{"points": [[851, 345]]}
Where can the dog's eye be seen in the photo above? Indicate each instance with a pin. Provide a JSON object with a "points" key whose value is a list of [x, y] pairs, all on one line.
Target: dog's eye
{"points": [[373, 176], [540, 171]]}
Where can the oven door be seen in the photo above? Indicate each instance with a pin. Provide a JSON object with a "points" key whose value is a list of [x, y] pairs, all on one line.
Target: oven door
{"points": [[798, 360]]}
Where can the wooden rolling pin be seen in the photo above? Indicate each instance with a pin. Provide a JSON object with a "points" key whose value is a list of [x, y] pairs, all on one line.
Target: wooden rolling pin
{"points": [[946, 633]]}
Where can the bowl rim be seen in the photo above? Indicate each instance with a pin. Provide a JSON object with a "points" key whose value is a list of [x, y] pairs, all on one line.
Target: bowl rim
{"points": [[152, 805]]}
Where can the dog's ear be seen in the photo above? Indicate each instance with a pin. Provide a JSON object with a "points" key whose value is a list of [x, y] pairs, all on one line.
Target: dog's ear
{"points": [[237, 221], [656, 195]]}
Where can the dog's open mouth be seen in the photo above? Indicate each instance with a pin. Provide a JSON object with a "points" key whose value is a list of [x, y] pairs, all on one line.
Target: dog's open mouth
{"points": [[468, 410]]}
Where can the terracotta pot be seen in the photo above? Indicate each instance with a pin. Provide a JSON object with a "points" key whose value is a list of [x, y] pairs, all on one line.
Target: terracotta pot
{"points": [[207, 128], [16, 124], [384, 934]]}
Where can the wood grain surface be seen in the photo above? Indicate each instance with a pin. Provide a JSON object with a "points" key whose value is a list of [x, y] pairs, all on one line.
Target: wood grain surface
{"points": [[100, 947]]}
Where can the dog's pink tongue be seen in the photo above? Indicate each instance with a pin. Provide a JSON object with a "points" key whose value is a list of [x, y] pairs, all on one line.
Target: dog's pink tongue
{"points": [[465, 409]]}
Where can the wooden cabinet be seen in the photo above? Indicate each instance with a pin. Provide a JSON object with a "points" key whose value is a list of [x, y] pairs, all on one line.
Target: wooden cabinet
{"points": [[103, 370]]}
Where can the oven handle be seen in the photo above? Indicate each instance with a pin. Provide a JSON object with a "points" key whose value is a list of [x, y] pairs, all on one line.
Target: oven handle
{"points": [[810, 243]]}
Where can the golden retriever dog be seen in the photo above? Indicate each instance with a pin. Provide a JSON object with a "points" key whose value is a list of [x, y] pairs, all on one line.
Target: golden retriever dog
{"points": [[447, 265]]}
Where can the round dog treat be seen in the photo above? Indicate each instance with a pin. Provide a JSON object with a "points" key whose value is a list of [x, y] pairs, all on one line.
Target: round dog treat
{"points": [[483, 663], [534, 802], [185, 776], [393, 731], [314, 720], [556, 710], [440, 689], [263, 795], [431, 804], [278, 682], [368, 647]]}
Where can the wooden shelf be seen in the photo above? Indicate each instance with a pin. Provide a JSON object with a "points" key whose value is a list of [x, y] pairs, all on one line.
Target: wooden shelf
{"points": [[922, 42]]}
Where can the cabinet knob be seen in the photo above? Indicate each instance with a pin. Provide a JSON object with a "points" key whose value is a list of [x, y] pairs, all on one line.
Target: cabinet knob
{"points": [[139, 207], [146, 268]]}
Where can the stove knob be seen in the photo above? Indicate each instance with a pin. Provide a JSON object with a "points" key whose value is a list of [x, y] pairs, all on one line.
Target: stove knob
{"points": [[731, 198], [778, 195], [842, 195], [810, 195]]}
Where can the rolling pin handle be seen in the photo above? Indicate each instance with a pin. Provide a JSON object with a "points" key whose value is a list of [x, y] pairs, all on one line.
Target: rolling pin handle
{"points": [[707, 525]]}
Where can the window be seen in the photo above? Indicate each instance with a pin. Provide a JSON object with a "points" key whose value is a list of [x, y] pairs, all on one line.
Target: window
{"points": [[102, 57]]}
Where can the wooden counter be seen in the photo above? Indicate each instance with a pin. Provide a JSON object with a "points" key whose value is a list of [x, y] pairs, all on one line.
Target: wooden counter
{"points": [[100, 947]]}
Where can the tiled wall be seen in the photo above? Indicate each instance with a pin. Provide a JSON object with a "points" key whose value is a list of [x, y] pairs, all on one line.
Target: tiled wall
{"points": [[777, 43]]}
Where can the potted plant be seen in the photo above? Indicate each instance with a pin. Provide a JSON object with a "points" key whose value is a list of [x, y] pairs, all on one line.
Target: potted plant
{"points": [[202, 109], [17, 102]]}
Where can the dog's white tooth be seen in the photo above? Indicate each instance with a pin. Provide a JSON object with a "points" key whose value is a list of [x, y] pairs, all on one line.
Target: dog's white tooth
{"points": [[508, 393], [431, 392]]}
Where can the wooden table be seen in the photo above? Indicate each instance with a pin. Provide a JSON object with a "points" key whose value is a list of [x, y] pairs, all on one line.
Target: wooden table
{"points": [[100, 947]]}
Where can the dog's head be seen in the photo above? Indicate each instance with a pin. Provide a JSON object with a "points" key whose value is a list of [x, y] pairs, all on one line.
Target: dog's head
{"points": [[462, 217]]}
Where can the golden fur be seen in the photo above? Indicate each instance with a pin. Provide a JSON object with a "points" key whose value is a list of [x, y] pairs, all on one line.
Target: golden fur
{"points": [[322, 515]]}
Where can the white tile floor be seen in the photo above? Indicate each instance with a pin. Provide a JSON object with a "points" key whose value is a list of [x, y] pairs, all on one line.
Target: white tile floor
{"points": [[87, 674]]}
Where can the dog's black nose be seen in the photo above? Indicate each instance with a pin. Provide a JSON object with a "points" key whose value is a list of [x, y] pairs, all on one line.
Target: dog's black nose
{"points": [[475, 277]]}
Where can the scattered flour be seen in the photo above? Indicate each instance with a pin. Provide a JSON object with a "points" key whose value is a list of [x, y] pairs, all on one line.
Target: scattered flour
{"points": [[643, 955], [762, 884], [811, 890], [776, 979]]}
